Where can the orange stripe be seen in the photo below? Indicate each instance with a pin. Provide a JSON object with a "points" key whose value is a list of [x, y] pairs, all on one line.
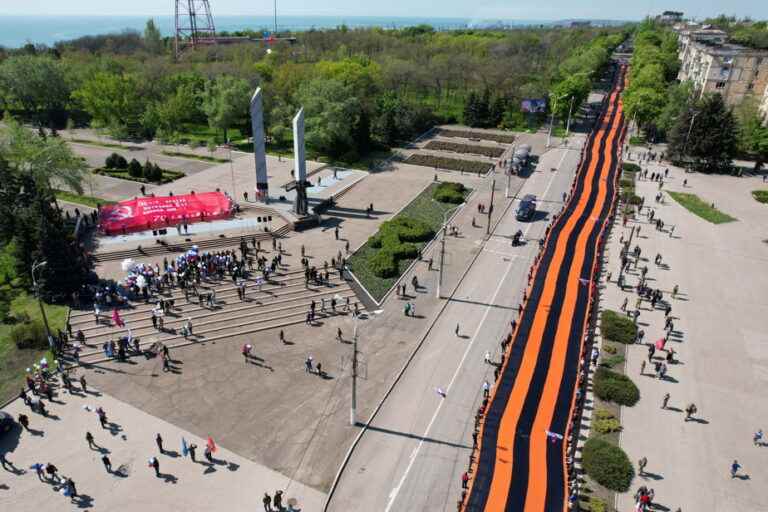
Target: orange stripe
{"points": [[499, 489], [537, 472]]}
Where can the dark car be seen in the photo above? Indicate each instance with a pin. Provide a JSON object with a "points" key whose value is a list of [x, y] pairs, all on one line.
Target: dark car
{"points": [[527, 207], [6, 422]]}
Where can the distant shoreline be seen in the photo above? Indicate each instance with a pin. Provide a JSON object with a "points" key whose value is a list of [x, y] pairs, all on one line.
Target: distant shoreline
{"points": [[18, 30]]}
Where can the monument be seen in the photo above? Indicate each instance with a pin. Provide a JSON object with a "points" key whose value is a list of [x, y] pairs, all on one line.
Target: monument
{"points": [[300, 164], [259, 151]]}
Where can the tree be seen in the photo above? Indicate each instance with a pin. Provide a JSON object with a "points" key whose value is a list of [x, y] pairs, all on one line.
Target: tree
{"points": [[471, 110], [38, 85], [332, 114], [705, 135], [114, 101], [225, 101], [679, 98], [753, 135], [574, 87], [49, 161], [153, 41], [134, 169], [644, 105]]}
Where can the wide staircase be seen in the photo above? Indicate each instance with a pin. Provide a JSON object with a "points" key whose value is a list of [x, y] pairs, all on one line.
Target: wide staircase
{"points": [[282, 301]]}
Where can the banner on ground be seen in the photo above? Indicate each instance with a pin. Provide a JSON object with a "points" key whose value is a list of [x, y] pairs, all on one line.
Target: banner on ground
{"points": [[145, 213]]}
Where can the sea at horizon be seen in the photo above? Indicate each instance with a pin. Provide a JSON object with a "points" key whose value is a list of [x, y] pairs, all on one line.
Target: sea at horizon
{"points": [[15, 31]]}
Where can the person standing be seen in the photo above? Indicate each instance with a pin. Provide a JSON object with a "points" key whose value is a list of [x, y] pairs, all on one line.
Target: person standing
{"points": [[735, 467], [487, 357], [83, 384], [70, 485], [757, 439], [641, 466], [642, 367], [89, 439], [486, 389], [665, 401], [24, 420], [278, 500], [339, 336], [107, 463], [191, 449], [267, 501], [207, 454], [456, 331], [159, 441], [155, 464]]}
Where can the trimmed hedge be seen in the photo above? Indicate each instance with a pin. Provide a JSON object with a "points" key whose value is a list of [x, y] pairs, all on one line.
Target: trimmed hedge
{"points": [[607, 464], [615, 387], [449, 192], [617, 327], [597, 505], [605, 422], [440, 145], [475, 134], [760, 195], [395, 241], [630, 167], [451, 164]]}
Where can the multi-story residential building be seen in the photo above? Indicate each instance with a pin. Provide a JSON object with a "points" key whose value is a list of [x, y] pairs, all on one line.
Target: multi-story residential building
{"points": [[714, 65], [764, 106]]}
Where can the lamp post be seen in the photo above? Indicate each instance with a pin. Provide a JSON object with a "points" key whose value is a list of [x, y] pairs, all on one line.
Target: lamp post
{"points": [[568, 124], [690, 128], [36, 284], [442, 248], [552, 118], [353, 410], [231, 171]]}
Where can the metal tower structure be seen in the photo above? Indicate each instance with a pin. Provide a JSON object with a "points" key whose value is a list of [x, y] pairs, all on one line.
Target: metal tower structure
{"points": [[194, 25]]}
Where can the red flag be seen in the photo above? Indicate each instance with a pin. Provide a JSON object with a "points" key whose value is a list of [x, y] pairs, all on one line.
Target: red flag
{"points": [[211, 445], [660, 343]]}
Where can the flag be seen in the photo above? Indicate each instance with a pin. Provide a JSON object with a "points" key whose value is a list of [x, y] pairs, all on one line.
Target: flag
{"points": [[585, 282], [184, 447], [553, 436], [211, 445], [660, 343]]}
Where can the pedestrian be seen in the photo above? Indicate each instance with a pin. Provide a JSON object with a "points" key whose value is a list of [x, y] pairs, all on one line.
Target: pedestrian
{"points": [[207, 454], [107, 463], [457, 329], [70, 485], [735, 467], [24, 421], [487, 357], [52, 470], [641, 465], [83, 384], [159, 441], [89, 440], [651, 351], [308, 365], [665, 401], [671, 230], [465, 480], [642, 367], [675, 289], [155, 464], [278, 500], [282, 336], [595, 355], [486, 389], [39, 471], [757, 439], [267, 501], [624, 304], [338, 335], [690, 410], [191, 449], [246, 350]]}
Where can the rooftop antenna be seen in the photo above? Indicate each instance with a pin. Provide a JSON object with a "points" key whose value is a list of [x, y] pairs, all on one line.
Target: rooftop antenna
{"points": [[194, 25]]}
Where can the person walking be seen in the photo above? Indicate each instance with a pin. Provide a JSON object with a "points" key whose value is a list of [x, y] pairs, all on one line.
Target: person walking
{"points": [[282, 337], [735, 467], [267, 501], [642, 367], [641, 466], [486, 389], [159, 441], [339, 336], [70, 486], [83, 384], [89, 440], [207, 454], [457, 329], [690, 410], [487, 357], [155, 464], [107, 463], [24, 420], [757, 439], [665, 401], [278, 500], [465, 480], [52, 472]]}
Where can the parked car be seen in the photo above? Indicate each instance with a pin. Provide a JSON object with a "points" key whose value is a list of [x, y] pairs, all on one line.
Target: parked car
{"points": [[527, 208]]}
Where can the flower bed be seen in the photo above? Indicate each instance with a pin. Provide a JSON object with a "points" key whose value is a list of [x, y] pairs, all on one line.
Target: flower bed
{"points": [[456, 147], [474, 134], [451, 164]]}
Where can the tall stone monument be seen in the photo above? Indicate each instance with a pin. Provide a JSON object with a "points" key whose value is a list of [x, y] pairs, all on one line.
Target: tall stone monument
{"points": [[259, 151], [300, 164]]}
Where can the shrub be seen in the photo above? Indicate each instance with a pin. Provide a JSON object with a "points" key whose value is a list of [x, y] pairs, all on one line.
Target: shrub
{"points": [[449, 192], [383, 264], [625, 183], [605, 422], [760, 195], [109, 162], [630, 167], [609, 348], [615, 387], [29, 335], [153, 172], [597, 505], [617, 327], [120, 162], [611, 361], [134, 169], [395, 241], [607, 464]]}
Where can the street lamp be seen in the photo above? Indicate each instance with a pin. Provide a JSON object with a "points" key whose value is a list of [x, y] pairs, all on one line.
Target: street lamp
{"points": [[690, 128], [36, 284], [552, 118], [231, 171], [442, 248], [568, 124]]}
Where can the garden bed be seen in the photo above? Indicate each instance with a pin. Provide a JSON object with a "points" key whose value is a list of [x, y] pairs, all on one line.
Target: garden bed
{"points": [[105, 144], [440, 145], [123, 174], [697, 206], [194, 156], [760, 196], [474, 134], [427, 214], [451, 164]]}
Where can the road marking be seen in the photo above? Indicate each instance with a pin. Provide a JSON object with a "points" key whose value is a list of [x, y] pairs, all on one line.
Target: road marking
{"points": [[396, 490]]}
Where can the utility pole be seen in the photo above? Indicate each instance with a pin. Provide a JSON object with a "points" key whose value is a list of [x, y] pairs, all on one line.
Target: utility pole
{"points": [[353, 410], [490, 208], [568, 125], [232, 171], [442, 249], [509, 172]]}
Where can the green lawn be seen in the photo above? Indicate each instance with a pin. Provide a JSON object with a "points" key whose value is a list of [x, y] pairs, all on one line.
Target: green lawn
{"points": [[114, 145], [697, 206], [423, 208], [760, 195], [202, 133], [14, 361], [196, 157], [71, 197]]}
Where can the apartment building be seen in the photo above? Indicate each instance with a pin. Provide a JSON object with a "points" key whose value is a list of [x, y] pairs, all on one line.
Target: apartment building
{"points": [[714, 65], [764, 106]]}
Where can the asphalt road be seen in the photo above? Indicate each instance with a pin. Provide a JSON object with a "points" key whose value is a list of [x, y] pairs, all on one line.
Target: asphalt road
{"points": [[415, 450]]}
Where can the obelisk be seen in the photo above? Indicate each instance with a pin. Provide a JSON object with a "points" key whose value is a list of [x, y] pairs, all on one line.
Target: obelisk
{"points": [[299, 164], [259, 151]]}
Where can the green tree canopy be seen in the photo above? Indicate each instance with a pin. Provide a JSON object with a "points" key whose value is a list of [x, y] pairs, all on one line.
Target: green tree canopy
{"points": [[114, 101], [332, 113], [225, 101], [153, 41], [38, 85], [753, 134]]}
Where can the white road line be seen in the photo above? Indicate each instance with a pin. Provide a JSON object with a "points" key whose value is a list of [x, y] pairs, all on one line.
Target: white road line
{"points": [[415, 453]]}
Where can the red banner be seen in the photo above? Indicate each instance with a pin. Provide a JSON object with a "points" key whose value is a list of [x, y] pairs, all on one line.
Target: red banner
{"points": [[147, 213]]}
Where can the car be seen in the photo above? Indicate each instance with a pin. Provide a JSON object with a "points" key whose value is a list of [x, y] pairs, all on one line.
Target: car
{"points": [[527, 208], [6, 422]]}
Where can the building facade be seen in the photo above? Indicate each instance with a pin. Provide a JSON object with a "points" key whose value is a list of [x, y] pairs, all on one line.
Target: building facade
{"points": [[764, 106]]}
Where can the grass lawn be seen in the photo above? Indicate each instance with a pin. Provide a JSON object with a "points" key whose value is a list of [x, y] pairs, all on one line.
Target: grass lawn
{"points": [[168, 176], [202, 133], [71, 197], [695, 205], [760, 195], [14, 361], [423, 208], [114, 145], [196, 157]]}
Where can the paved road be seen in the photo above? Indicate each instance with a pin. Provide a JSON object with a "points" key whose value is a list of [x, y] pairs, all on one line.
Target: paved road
{"points": [[416, 448]]}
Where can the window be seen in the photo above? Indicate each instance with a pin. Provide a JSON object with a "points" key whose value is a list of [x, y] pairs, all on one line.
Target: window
{"points": [[719, 85]]}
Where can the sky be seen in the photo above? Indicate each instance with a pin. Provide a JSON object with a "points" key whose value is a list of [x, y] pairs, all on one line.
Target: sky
{"points": [[479, 9]]}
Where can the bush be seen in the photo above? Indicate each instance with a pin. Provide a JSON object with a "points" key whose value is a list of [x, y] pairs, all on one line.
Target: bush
{"points": [[615, 387], [395, 241], [153, 172], [605, 422], [449, 192], [607, 464], [630, 167], [625, 183], [611, 361], [760, 195], [134, 169], [383, 264], [617, 327], [597, 505], [29, 335]]}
